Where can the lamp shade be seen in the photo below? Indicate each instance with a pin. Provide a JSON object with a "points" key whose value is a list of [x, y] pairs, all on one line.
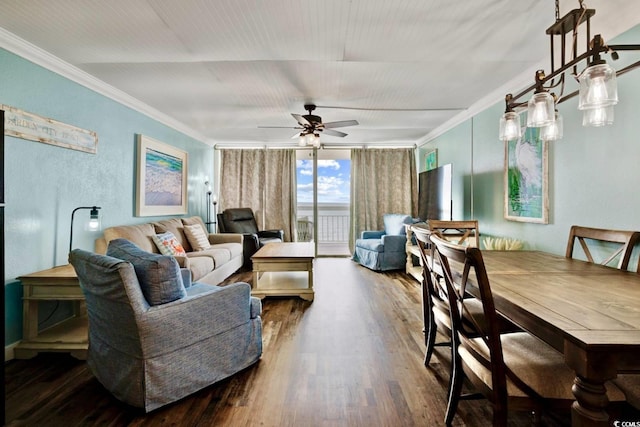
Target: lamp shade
{"points": [[509, 126], [598, 87], [598, 116], [554, 130], [540, 110]]}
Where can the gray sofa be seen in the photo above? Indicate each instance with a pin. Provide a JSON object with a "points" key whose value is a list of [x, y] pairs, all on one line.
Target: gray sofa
{"points": [[154, 337], [209, 266]]}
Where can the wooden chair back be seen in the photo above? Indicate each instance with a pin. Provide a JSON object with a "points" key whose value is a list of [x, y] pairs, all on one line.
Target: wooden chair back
{"points": [[461, 232], [487, 328], [592, 239]]}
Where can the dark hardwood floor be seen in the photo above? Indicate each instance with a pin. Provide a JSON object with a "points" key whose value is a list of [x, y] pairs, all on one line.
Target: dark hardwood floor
{"points": [[353, 357]]}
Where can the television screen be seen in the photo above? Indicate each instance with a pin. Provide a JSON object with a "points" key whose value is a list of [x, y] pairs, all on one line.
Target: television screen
{"points": [[434, 194]]}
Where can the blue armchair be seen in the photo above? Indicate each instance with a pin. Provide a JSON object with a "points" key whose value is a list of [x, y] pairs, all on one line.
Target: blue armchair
{"points": [[384, 250]]}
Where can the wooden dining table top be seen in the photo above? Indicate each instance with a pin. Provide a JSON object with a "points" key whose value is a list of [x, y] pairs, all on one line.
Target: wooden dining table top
{"points": [[590, 304]]}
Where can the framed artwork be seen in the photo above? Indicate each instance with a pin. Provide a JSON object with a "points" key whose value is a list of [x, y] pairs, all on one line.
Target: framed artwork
{"points": [[161, 187], [431, 160], [526, 193]]}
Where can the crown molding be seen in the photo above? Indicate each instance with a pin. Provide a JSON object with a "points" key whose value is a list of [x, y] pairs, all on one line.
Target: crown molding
{"points": [[38, 56]]}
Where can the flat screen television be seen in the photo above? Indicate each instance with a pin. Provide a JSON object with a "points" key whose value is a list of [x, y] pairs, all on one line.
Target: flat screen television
{"points": [[434, 194]]}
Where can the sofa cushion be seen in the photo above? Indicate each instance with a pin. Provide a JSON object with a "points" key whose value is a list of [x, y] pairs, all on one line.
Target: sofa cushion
{"points": [[175, 226], [168, 244], [235, 249], [197, 237], [220, 256], [140, 234], [200, 266], [394, 224], [159, 275]]}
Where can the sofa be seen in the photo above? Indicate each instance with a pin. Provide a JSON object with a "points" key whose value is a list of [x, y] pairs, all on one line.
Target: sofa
{"points": [[210, 265]]}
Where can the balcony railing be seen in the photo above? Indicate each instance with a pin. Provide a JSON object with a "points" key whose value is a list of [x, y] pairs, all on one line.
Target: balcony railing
{"points": [[333, 223]]}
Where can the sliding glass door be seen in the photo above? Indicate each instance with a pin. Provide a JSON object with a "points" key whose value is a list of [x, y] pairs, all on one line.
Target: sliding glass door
{"points": [[323, 193]]}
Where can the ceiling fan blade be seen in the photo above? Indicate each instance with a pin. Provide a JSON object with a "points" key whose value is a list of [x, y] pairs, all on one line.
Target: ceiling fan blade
{"points": [[279, 127], [341, 123], [301, 120], [334, 133]]}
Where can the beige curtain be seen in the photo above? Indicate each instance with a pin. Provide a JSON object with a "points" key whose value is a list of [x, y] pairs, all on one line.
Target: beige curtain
{"points": [[280, 191], [263, 180], [382, 181]]}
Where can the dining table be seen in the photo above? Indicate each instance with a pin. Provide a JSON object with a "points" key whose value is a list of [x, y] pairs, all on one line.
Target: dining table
{"points": [[589, 312]]}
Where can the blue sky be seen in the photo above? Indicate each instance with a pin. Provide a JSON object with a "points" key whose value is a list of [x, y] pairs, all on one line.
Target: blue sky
{"points": [[333, 181]]}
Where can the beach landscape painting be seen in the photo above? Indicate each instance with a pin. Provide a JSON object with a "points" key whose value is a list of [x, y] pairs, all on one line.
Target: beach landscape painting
{"points": [[162, 179]]}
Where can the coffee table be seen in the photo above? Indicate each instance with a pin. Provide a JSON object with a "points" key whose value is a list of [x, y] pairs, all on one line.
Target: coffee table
{"points": [[284, 269]]}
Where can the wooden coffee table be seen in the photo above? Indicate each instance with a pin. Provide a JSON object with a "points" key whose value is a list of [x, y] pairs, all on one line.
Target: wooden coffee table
{"points": [[284, 269]]}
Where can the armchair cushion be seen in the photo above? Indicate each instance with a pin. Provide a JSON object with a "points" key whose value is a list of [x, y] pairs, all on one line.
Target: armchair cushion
{"points": [[159, 275]]}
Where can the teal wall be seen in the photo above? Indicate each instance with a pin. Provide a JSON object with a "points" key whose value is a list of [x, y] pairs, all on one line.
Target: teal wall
{"points": [[594, 173], [44, 183]]}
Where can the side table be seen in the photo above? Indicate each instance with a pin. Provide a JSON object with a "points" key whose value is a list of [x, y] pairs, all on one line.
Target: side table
{"points": [[71, 335]]}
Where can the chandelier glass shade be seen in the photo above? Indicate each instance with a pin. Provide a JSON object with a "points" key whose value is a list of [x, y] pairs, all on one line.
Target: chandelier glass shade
{"points": [[597, 117], [553, 131], [509, 126], [598, 87], [540, 110]]}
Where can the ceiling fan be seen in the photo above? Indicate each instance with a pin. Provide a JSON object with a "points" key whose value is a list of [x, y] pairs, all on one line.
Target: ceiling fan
{"points": [[311, 125]]}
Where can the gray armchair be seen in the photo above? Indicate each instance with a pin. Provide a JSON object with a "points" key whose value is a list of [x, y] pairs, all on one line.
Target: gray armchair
{"points": [[384, 249], [151, 355]]}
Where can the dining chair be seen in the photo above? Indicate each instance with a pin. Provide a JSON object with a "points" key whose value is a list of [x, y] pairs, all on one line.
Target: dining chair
{"points": [[514, 371], [615, 243], [461, 232]]}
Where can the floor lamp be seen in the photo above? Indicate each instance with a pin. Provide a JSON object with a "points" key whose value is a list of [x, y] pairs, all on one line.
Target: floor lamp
{"points": [[211, 199]]}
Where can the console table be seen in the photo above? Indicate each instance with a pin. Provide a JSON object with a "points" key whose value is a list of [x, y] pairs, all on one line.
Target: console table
{"points": [[70, 335]]}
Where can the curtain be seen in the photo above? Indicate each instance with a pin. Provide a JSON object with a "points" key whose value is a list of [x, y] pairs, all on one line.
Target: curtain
{"points": [[263, 180], [382, 181], [280, 192]]}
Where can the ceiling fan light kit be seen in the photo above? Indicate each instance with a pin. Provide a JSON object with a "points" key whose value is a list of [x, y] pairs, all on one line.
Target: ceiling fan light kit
{"points": [[598, 91]]}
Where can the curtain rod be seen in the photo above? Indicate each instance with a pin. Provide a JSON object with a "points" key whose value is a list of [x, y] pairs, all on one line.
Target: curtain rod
{"points": [[323, 146]]}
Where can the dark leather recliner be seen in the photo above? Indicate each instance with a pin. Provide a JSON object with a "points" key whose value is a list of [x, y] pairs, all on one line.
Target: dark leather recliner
{"points": [[242, 220]]}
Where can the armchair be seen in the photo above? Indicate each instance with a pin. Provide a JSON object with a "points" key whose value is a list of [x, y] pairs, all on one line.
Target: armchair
{"points": [[241, 220], [385, 249], [150, 355]]}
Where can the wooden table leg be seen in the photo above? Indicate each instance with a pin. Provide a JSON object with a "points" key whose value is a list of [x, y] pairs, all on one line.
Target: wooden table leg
{"points": [[592, 369]]}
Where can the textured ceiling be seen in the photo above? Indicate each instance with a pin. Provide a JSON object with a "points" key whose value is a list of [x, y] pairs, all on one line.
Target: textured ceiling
{"points": [[225, 68]]}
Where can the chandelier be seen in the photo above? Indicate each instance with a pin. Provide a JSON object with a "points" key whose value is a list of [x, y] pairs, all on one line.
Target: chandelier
{"points": [[598, 91]]}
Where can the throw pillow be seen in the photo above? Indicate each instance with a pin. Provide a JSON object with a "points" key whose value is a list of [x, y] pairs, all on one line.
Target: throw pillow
{"points": [[168, 244], [394, 224], [197, 237], [159, 275]]}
